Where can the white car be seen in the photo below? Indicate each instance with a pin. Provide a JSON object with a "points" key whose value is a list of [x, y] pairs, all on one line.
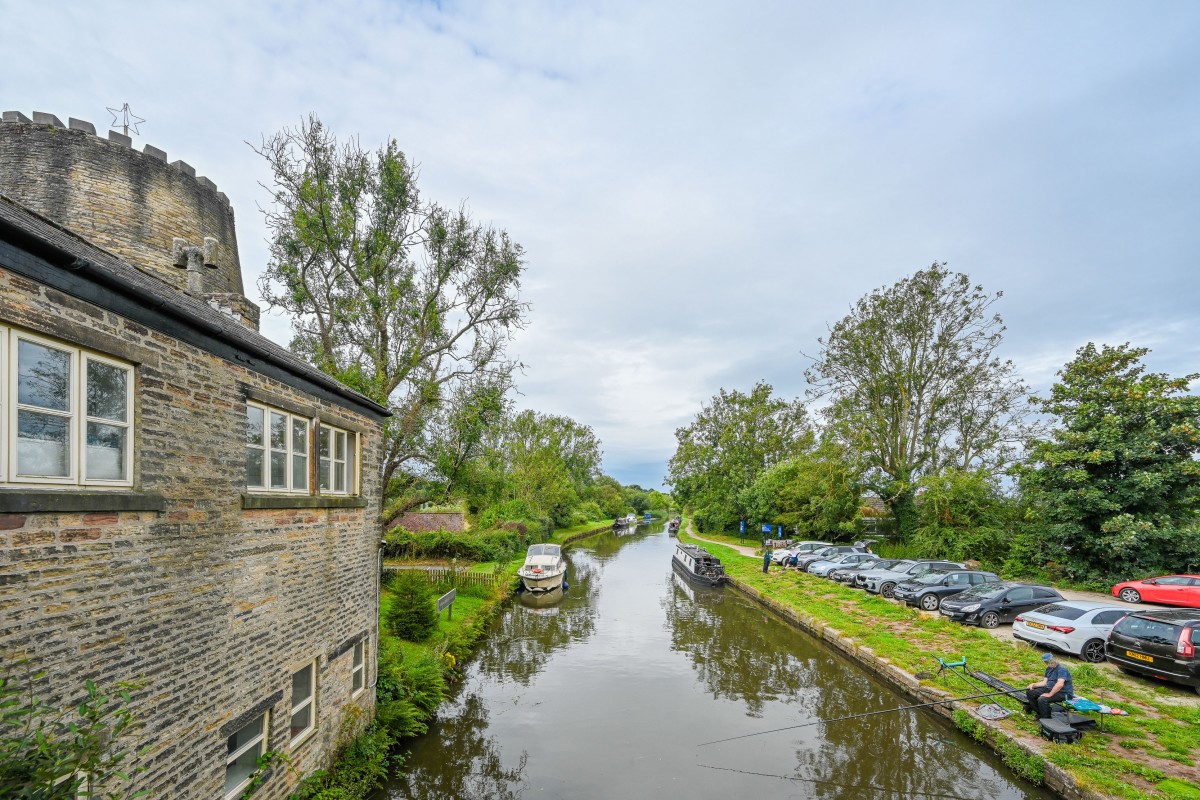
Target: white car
{"points": [[824, 566], [800, 548], [1078, 627]]}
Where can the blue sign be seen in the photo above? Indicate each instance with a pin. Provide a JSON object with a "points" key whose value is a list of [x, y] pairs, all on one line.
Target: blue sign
{"points": [[766, 527], [743, 526]]}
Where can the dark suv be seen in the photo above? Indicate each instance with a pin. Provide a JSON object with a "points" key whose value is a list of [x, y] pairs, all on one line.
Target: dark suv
{"points": [[1162, 644]]}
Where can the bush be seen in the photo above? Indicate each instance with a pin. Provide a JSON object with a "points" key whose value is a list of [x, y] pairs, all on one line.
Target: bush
{"points": [[482, 545], [361, 767], [409, 690], [411, 615]]}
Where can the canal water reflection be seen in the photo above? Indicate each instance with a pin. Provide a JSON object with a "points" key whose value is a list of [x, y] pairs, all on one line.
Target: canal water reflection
{"points": [[611, 693]]}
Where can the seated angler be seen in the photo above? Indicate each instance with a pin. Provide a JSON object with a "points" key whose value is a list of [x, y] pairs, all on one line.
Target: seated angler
{"points": [[1055, 687]]}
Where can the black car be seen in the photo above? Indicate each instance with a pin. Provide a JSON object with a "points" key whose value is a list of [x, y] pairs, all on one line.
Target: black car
{"points": [[990, 604], [929, 589], [1163, 644], [846, 574]]}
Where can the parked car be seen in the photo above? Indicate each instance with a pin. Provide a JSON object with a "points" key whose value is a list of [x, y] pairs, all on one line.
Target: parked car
{"points": [[1163, 643], [846, 574], [991, 604], [1171, 590], [802, 560], [823, 566], [928, 589], [1078, 627], [882, 581], [784, 553]]}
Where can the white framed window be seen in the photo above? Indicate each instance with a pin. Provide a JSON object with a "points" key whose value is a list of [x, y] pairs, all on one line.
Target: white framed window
{"points": [[243, 750], [277, 450], [337, 452], [68, 413], [304, 706], [358, 670]]}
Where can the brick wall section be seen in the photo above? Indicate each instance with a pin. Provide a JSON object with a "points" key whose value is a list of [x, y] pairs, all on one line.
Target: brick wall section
{"points": [[128, 202], [454, 521], [211, 606]]}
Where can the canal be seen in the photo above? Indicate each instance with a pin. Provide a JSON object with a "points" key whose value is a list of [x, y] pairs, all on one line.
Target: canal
{"points": [[614, 691]]}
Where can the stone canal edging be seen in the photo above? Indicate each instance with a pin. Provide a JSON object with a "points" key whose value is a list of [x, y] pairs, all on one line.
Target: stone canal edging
{"points": [[1054, 778]]}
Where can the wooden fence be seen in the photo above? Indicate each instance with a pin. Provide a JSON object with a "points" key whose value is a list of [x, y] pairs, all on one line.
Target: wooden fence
{"points": [[455, 577]]}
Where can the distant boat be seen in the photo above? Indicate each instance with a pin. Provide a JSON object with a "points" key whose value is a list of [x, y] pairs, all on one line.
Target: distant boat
{"points": [[698, 565], [631, 519], [620, 523], [544, 568], [673, 528]]}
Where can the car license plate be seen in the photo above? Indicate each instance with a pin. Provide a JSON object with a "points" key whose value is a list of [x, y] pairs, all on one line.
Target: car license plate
{"points": [[1037, 625], [1140, 656]]}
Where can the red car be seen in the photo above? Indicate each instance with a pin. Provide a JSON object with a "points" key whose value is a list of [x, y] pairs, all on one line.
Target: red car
{"points": [[1172, 590]]}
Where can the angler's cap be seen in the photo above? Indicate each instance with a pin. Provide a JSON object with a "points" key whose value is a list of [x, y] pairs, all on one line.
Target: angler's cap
{"points": [[1047, 657]]}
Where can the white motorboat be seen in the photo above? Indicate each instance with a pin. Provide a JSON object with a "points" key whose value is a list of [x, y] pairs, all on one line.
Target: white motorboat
{"points": [[544, 568]]}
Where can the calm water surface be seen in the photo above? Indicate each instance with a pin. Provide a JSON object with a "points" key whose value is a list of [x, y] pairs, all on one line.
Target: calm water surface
{"points": [[613, 691]]}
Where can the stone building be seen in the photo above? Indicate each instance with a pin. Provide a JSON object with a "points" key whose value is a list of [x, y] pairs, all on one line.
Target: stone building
{"points": [[183, 503]]}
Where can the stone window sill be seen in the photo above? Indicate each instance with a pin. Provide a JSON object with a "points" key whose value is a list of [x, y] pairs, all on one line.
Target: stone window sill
{"points": [[35, 501], [255, 501]]}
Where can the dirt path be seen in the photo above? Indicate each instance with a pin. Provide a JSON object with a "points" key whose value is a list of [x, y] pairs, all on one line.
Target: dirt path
{"points": [[743, 549]]}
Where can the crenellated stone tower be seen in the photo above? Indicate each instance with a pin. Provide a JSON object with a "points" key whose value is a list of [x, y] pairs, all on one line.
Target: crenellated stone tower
{"points": [[156, 215]]}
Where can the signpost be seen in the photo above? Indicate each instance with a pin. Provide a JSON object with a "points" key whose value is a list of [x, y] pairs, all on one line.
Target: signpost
{"points": [[447, 601], [742, 531]]}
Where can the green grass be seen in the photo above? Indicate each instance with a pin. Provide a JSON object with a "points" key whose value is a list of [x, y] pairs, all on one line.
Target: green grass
{"points": [[1131, 759]]}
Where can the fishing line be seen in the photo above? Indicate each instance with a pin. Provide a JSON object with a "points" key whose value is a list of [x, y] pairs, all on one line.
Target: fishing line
{"points": [[855, 716], [857, 787]]}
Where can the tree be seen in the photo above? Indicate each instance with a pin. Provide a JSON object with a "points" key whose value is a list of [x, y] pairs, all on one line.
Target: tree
{"points": [[1116, 486], [731, 442], [541, 463], [914, 385], [963, 515], [817, 493], [397, 297]]}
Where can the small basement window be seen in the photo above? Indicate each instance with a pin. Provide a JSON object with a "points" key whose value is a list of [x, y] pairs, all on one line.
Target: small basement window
{"points": [[243, 751]]}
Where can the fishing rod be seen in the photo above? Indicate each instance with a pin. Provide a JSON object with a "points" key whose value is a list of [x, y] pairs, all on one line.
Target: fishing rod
{"points": [[856, 716]]}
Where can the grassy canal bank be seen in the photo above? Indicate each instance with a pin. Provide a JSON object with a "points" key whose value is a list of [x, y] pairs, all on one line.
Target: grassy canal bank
{"points": [[1152, 753]]}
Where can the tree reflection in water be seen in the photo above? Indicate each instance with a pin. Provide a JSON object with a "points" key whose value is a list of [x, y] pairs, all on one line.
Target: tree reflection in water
{"points": [[523, 639], [469, 767], [738, 652]]}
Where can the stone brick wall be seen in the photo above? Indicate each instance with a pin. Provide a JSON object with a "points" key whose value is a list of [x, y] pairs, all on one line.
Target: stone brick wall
{"points": [[433, 521], [211, 605], [131, 203]]}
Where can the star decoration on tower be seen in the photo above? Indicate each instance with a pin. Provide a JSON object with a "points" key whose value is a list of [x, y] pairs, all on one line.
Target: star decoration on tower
{"points": [[127, 117]]}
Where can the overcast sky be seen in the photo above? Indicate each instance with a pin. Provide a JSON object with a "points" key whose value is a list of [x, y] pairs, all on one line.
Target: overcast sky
{"points": [[703, 187]]}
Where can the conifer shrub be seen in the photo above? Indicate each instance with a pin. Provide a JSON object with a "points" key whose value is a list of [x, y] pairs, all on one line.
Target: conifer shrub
{"points": [[411, 615]]}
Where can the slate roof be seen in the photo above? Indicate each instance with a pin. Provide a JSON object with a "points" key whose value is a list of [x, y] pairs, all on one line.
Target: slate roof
{"points": [[36, 233]]}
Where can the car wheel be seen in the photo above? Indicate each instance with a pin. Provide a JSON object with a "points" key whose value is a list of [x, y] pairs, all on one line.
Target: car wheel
{"points": [[990, 619], [930, 602], [1093, 651], [886, 590], [1131, 595]]}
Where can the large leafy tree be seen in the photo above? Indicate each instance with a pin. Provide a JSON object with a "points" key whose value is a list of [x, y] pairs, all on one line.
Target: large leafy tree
{"points": [[1116, 486], [914, 385], [409, 302], [731, 442], [539, 464], [818, 493], [963, 515]]}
